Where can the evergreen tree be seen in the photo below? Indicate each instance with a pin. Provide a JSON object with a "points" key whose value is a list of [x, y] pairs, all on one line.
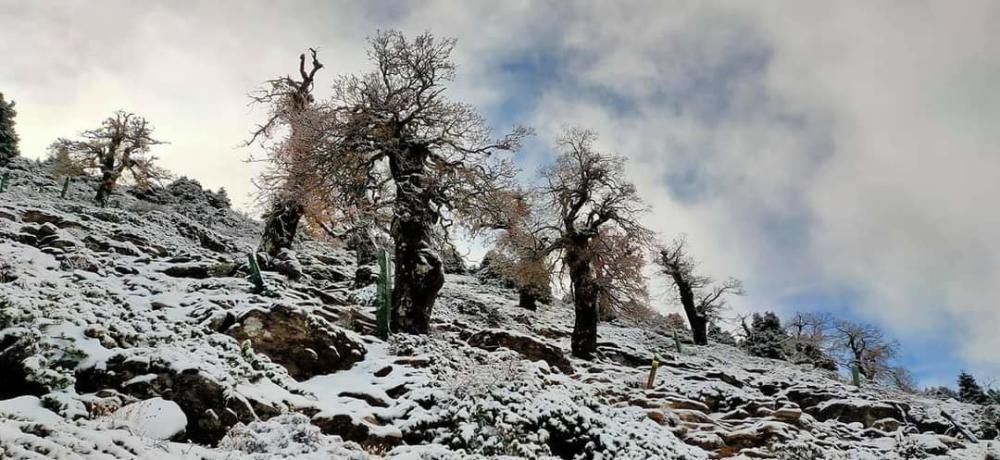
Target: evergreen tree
{"points": [[969, 390], [8, 137], [765, 336], [719, 335]]}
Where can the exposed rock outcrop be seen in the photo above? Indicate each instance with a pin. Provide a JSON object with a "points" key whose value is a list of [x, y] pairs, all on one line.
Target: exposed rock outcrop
{"points": [[210, 407], [303, 344], [529, 347]]}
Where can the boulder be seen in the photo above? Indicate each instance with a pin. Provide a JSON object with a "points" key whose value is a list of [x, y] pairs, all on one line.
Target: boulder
{"points": [[209, 407], [305, 345], [527, 346], [807, 396], [154, 418], [190, 270], [858, 411], [16, 346], [352, 429], [287, 263], [787, 414], [887, 424], [205, 237]]}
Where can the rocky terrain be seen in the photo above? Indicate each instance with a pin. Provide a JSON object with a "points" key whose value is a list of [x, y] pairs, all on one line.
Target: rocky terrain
{"points": [[132, 332]]}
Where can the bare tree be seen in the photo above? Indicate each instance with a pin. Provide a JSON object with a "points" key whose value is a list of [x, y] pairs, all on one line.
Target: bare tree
{"points": [[286, 183], [902, 378], [590, 195], [865, 347], [809, 339], [393, 140], [702, 299], [811, 328], [119, 148]]}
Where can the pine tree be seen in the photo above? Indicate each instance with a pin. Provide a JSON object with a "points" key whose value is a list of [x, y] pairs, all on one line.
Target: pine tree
{"points": [[969, 390], [8, 137], [765, 336]]}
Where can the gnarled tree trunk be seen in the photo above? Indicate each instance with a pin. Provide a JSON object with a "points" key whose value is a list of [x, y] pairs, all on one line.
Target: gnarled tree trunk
{"points": [[585, 296], [527, 299], [698, 322], [419, 272], [109, 170], [104, 190], [280, 224]]}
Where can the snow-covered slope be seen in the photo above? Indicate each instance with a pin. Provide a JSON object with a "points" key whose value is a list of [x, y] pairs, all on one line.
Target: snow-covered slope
{"points": [[132, 332]]}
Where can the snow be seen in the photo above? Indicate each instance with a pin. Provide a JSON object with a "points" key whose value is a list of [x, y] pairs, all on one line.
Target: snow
{"points": [[154, 418], [27, 408], [438, 396]]}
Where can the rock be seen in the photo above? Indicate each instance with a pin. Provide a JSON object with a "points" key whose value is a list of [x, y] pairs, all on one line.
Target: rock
{"points": [[657, 416], [808, 396], [16, 345], [193, 270], [38, 216], [683, 403], [305, 345], [692, 416], [926, 444], [210, 408], [725, 378], [47, 229], [79, 261], [223, 269], [788, 414], [371, 399], [415, 362], [887, 424], [154, 418], [857, 410], [704, 439], [287, 264], [527, 346], [352, 429], [205, 237], [758, 434], [157, 305], [342, 425], [615, 353]]}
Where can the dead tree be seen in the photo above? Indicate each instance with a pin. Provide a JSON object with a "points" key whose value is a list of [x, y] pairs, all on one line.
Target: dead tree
{"points": [[119, 148], [590, 195], [866, 348], [394, 141], [286, 182], [702, 299]]}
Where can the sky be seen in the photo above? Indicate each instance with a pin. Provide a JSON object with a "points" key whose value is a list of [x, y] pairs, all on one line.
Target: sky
{"points": [[836, 156]]}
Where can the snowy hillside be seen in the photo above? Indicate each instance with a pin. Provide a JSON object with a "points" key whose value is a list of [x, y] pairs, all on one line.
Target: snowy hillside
{"points": [[132, 332]]}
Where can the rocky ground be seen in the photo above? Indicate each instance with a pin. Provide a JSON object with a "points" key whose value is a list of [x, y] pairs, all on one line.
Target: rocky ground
{"points": [[132, 332]]}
